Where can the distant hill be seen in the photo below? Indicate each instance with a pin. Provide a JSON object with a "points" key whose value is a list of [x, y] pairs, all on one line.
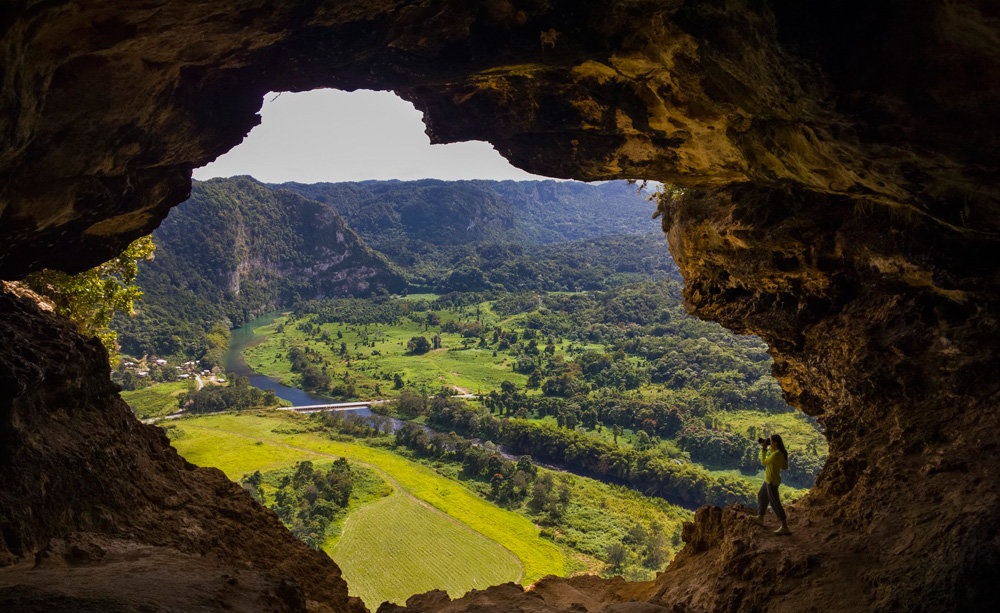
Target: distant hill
{"points": [[239, 248], [461, 212], [437, 229]]}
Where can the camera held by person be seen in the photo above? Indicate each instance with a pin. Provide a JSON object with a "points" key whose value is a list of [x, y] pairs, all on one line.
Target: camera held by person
{"points": [[774, 458]]}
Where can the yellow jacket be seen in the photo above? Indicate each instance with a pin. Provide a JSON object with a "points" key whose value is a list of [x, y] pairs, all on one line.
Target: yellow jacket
{"points": [[774, 462]]}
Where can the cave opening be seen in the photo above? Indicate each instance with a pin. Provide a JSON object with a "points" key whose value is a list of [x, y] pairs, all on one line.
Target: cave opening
{"points": [[842, 205], [700, 396], [329, 135]]}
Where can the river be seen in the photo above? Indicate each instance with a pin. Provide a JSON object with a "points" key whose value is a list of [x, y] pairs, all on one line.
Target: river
{"points": [[244, 337]]}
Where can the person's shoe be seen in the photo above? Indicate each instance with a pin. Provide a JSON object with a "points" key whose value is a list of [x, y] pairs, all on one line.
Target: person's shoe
{"points": [[782, 531], [757, 519]]}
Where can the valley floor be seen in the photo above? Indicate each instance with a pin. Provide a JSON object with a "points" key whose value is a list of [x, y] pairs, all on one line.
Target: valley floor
{"points": [[430, 533]]}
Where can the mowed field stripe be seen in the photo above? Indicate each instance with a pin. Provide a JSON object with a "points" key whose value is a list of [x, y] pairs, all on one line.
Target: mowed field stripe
{"points": [[396, 547]]}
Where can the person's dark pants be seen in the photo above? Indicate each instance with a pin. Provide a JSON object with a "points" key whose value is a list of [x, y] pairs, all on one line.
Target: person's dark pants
{"points": [[768, 494]]}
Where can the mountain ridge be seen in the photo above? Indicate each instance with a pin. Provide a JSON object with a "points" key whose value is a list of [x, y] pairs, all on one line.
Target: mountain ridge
{"points": [[239, 247], [525, 212]]}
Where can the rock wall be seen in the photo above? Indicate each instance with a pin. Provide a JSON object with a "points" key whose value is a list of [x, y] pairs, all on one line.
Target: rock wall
{"points": [[842, 160], [884, 327], [106, 110], [88, 493]]}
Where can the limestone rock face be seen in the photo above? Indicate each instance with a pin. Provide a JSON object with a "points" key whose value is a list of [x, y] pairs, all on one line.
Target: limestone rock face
{"points": [[884, 327], [97, 506], [842, 159]]}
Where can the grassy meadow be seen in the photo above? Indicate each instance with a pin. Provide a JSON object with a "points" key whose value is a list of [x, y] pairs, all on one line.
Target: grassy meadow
{"points": [[462, 366], [598, 516], [795, 429], [157, 400], [398, 546], [241, 444]]}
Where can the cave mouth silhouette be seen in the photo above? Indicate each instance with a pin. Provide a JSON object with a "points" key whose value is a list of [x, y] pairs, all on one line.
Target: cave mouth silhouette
{"points": [[843, 177]]}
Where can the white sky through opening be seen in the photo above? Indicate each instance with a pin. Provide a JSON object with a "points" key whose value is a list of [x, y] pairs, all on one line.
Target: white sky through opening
{"points": [[328, 135]]}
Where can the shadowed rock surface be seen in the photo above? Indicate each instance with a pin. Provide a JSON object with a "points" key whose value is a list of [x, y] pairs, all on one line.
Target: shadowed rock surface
{"points": [[98, 506], [842, 158]]}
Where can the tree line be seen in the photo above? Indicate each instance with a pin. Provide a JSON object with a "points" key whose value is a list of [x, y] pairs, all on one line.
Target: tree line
{"points": [[239, 395], [648, 470]]}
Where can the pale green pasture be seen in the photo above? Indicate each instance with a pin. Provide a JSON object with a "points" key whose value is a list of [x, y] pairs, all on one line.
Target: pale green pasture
{"points": [[397, 547], [240, 444], [475, 370], [415, 297], [157, 400], [233, 448], [262, 355]]}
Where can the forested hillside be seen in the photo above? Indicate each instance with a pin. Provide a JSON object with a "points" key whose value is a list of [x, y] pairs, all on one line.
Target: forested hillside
{"points": [[460, 212], [238, 248], [452, 236]]}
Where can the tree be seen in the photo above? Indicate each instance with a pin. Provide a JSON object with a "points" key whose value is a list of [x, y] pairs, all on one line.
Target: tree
{"points": [[525, 465], [534, 379], [418, 345], [411, 404], [616, 553], [251, 484], [519, 484], [541, 493], [91, 298], [655, 553]]}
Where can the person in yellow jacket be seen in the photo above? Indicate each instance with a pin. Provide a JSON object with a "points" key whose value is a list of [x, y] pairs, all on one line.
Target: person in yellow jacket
{"points": [[774, 457]]}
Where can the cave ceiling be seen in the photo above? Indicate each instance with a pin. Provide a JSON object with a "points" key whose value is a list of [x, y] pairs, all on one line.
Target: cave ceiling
{"points": [[106, 108]]}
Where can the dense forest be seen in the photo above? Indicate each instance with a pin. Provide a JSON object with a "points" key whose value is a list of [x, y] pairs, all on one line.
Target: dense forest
{"points": [[410, 220], [237, 249], [507, 236]]}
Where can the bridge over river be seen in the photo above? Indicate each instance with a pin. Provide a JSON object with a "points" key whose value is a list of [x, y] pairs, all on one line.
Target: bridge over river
{"points": [[333, 406]]}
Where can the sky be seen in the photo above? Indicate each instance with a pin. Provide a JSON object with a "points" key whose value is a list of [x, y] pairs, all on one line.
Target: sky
{"points": [[327, 135]]}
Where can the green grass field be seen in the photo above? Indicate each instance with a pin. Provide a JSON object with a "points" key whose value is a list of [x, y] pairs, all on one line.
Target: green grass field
{"points": [[157, 400], [397, 547], [599, 515], [470, 369], [241, 444]]}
